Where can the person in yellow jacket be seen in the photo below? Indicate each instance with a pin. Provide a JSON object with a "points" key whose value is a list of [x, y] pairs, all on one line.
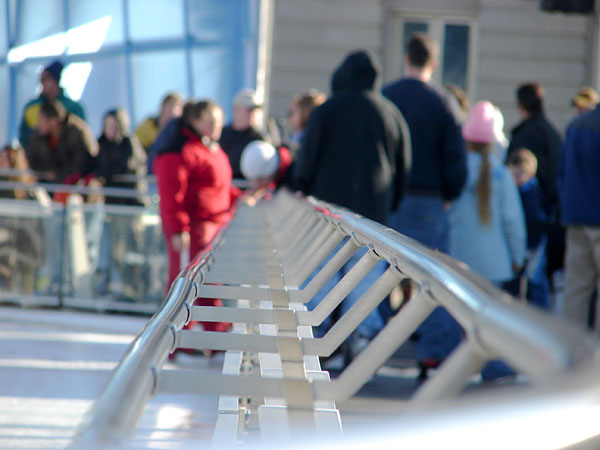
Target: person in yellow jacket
{"points": [[147, 131], [51, 91]]}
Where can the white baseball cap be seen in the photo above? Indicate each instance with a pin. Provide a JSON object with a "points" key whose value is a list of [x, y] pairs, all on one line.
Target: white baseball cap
{"points": [[259, 160], [247, 98]]}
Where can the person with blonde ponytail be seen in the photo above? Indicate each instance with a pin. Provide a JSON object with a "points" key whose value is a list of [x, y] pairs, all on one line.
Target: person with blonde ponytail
{"points": [[487, 226]]}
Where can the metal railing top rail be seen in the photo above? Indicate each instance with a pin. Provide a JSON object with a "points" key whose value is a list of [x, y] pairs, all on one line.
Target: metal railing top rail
{"points": [[74, 189], [128, 177], [135, 379], [533, 341], [493, 318]]}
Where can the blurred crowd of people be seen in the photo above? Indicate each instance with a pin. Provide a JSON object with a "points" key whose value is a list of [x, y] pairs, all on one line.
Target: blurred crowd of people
{"points": [[414, 156]]}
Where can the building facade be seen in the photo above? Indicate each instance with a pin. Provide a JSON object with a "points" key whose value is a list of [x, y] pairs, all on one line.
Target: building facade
{"points": [[488, 47]]}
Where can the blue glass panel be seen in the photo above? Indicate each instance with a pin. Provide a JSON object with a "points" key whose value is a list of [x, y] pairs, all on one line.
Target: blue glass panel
{"points": [[225, 19], [89, 12], [456, 54], [154, 74], [4, 135], [3, 30], [155, 19], [28, 86], [39, 19], [106, 89], [214, 77]]}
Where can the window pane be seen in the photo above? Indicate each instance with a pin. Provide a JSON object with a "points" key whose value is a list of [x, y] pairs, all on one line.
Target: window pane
{"points": [[4, 135], [3, 30], [456, 54], [102, 22], [39, 19], [106, 89], [28, 87], [408, 29], [153, 75], [155, 19], [213, 77], [218, 19]]}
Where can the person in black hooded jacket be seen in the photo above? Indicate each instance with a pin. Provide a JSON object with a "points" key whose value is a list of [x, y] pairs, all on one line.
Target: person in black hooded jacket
{"points": [[355, 153]]}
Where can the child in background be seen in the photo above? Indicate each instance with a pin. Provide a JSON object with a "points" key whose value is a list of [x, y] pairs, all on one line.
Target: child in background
{"points": [[487, 228], [523, 165]]}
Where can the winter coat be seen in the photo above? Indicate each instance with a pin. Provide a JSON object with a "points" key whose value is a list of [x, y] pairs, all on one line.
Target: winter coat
{"points": [[353, 152], [536, 213], [147, 132], [489, 249], [438, 149], [170, 139], [194, 184], [113, 159], [579, 171], [233, 142], [32, 109], [75, 144], [537, 134]]}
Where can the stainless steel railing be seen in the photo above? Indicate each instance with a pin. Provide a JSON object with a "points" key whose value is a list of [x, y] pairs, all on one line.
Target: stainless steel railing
{"points": [[264, 261]]}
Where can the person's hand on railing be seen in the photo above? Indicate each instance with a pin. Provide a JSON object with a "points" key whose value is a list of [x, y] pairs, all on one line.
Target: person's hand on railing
{"points": [[179, 241], [251, 198], [93, 182]]}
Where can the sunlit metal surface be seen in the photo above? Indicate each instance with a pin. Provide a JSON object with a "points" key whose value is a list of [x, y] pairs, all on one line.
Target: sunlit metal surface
{"points": [[273, 387]]}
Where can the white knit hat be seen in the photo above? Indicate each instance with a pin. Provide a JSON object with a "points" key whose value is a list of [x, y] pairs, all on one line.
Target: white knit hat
{"points": [[259, 160]]}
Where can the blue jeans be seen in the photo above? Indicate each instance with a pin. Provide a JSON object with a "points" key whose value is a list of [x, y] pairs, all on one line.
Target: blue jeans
{"points": [[373, 323], [424, 219], [538, 286]]}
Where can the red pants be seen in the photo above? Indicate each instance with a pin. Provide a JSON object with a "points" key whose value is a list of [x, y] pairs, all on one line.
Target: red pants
{"points": [[201, 236]]}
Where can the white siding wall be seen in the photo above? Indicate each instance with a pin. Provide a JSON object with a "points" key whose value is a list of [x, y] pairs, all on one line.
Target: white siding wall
{"points": [[518, 43], [311, 37]]}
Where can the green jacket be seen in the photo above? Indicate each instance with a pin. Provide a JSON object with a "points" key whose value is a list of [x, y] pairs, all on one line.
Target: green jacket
{"points": [[32, 109]]}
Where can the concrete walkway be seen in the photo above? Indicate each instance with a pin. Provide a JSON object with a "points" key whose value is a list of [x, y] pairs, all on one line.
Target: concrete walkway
{"points": [[53, 365]]}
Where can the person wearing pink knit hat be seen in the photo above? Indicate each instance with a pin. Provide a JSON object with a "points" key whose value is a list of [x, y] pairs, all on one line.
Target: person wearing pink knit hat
{"points": [[479, 126], [487, 226]]}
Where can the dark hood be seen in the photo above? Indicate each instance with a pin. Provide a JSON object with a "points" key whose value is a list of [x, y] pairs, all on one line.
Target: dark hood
{"points": [[357, 72]]}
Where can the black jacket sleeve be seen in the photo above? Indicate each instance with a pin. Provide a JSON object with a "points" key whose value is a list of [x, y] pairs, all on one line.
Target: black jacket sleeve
{"points": [[307, 160]]}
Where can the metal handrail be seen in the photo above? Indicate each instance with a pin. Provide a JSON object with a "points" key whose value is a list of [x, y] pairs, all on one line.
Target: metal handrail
{"points": [[73, 189], [496, 326], [135, 381]]}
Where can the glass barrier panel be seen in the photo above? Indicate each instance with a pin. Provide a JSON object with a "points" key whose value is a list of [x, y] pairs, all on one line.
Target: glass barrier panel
{"points": [[115, 257], [30, 251]]}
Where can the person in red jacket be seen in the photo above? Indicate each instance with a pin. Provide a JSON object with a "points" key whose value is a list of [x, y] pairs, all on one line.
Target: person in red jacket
{"points": [[196, 194]]}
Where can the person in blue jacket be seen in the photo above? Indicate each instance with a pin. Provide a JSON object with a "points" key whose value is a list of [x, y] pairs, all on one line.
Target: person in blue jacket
{"points": [[523, 165], [579, 188], [487, 225]]}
